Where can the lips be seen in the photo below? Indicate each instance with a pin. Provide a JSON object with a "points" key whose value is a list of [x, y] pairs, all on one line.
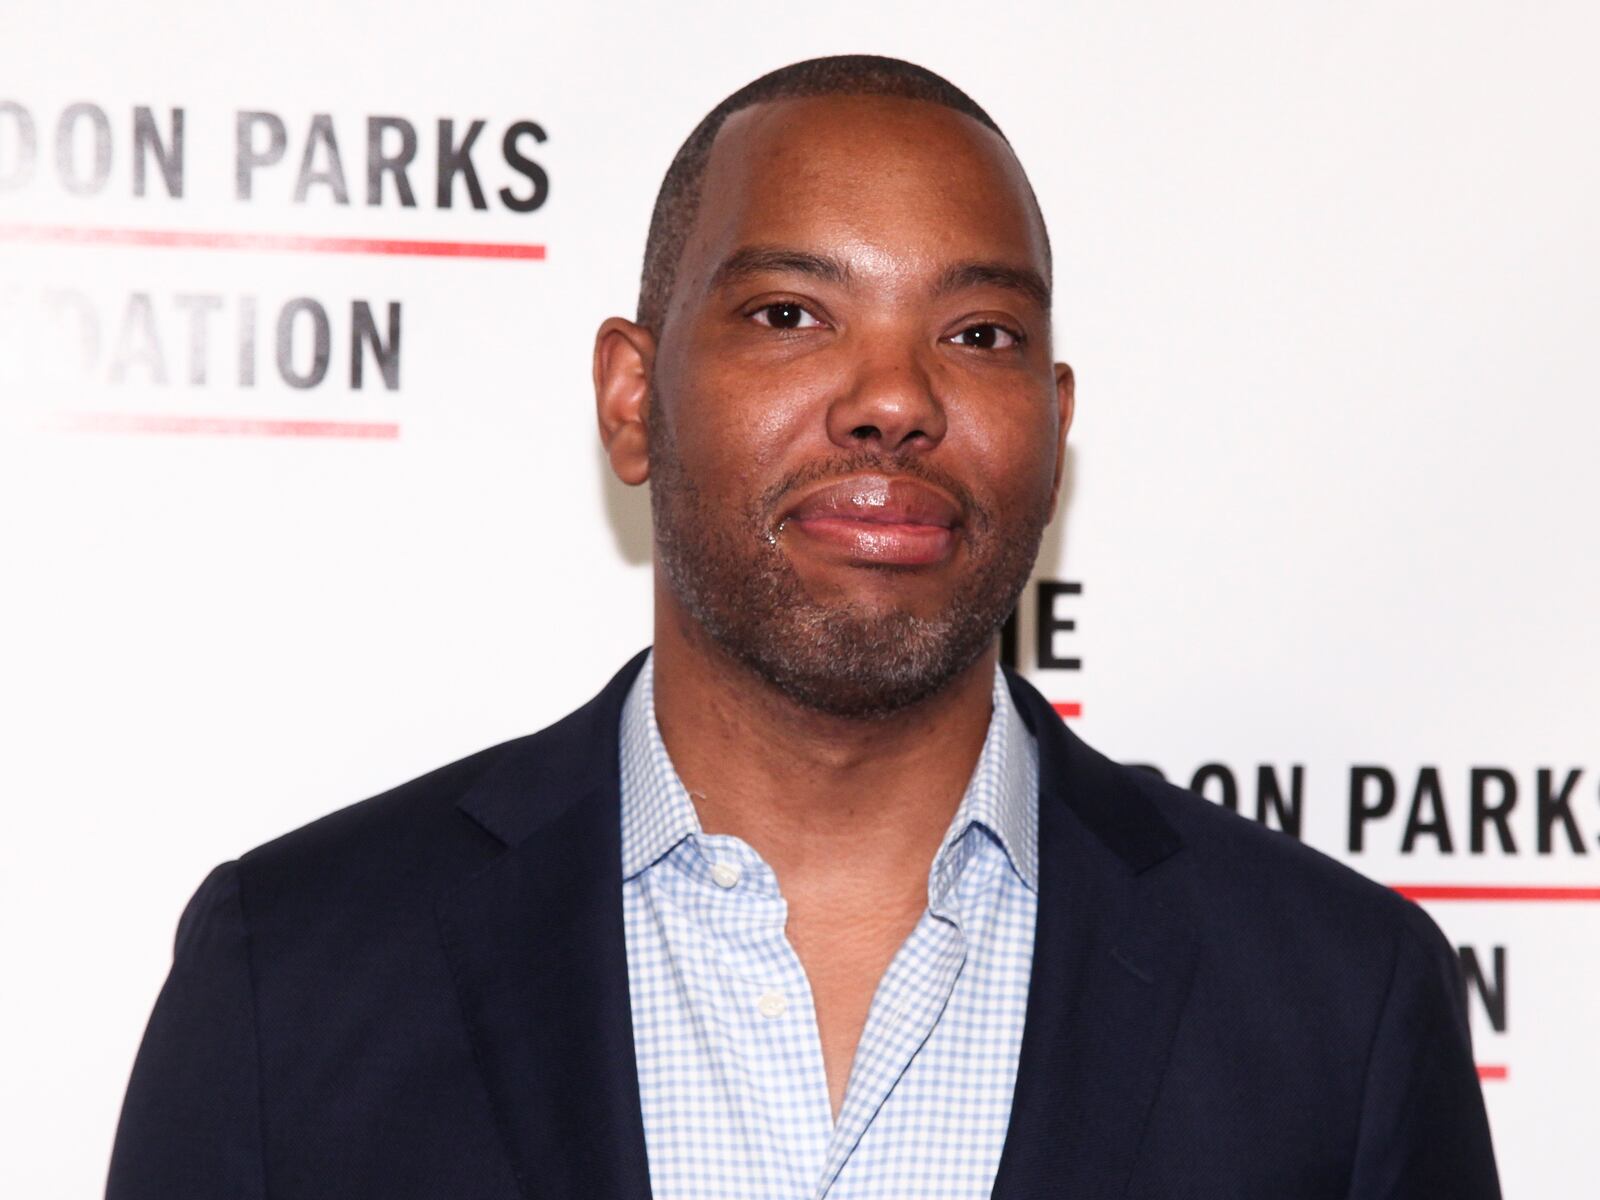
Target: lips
{"points": [[877, 519]]}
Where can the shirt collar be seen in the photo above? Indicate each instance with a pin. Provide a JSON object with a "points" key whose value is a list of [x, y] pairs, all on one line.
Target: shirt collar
{"points": [[1002, 797], [657, 812]]}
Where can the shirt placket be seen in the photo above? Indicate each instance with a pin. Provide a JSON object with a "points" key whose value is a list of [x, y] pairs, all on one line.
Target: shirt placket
{"points": [[905, 1009], [767, 998]]}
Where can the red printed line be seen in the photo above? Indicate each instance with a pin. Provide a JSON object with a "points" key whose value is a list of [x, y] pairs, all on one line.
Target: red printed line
{"points": [[228, 426], [1067, 708], [179, 239], [1498, 1071], [1489, 891]]}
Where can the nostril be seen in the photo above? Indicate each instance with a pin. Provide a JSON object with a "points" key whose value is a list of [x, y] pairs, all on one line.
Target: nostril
{"points": [[863, 432]]}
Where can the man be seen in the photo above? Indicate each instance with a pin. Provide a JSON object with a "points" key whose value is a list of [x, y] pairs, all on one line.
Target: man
{"points": [[813, 900]]}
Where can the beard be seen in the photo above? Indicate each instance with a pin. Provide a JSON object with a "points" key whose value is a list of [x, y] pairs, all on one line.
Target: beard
{"points": [[727, 569]]}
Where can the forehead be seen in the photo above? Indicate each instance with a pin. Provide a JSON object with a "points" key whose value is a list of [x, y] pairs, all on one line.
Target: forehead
{"points": [[903, 185]]}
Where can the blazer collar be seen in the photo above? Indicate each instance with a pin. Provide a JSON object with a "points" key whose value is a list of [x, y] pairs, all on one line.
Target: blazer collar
{"points": [[536, 946], [1114, 955], [540, 776]]}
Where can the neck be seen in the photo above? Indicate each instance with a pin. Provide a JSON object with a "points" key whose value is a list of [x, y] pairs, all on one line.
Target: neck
{"points": [[830, 803]]}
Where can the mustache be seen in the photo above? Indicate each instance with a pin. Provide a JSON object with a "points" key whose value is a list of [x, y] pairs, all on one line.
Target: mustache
{"points": [[772, 500]]}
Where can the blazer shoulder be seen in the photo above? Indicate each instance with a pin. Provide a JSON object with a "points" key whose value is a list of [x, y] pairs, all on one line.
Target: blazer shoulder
{"points": [[416, 802], [1271, 891], [1254, 856], [405, 839], [402, 845]]}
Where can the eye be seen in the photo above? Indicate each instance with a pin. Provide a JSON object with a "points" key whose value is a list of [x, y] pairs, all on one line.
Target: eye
{"points": [[988, 336], [785, 314]]}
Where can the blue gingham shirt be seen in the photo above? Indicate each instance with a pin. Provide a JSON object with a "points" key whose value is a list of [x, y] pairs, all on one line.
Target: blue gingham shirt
{"points": [[731, 1081]]}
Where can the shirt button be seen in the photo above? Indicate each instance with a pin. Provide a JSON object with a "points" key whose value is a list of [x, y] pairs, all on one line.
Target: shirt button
{"points": [[771, 1004], [724, 875]]}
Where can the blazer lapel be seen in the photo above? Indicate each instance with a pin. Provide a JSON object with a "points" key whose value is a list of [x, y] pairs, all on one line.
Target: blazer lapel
{"points": [[1114, 955], [536, 947]]}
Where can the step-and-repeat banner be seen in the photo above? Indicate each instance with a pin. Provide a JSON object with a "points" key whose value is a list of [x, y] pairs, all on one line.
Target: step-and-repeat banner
{"points": [[302, 494]]}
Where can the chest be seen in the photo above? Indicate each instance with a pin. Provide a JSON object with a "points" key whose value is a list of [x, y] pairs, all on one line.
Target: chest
{"points": [[781, 1058], [845, 957]]}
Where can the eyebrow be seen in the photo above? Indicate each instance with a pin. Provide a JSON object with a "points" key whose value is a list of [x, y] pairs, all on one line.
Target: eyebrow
{"points": [[755, 260], [1024, 280]]}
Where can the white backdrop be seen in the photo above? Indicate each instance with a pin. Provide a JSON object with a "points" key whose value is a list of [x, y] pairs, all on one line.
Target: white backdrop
{"points": [[1326, 274]]}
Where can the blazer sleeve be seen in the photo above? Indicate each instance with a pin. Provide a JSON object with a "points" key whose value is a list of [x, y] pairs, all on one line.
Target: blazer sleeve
{"points": [[191, 1122], [1424, 1132]]}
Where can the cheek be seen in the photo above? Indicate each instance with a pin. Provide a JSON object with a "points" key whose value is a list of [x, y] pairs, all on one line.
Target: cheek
{"points": [[1011, 442], [743, 425]]}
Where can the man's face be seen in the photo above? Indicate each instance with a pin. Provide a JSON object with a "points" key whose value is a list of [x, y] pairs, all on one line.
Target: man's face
{"points": [[855, 427]]}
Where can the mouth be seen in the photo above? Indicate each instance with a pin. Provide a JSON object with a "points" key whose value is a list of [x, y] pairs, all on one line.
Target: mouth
{"points": [[877, 520]]}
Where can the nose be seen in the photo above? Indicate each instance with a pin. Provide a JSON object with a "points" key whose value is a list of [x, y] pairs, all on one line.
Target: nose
{"points": [[889, 404]]}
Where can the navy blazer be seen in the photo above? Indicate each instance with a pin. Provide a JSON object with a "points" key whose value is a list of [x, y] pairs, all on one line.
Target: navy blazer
{"points": [[425, 995]]}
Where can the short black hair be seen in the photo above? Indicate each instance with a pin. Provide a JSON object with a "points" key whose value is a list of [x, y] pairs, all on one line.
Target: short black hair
{"points": [[678, 201]]}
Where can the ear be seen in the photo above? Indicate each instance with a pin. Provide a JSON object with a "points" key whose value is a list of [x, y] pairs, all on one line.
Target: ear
{"points": [[1064, 405], [624, 355]]}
